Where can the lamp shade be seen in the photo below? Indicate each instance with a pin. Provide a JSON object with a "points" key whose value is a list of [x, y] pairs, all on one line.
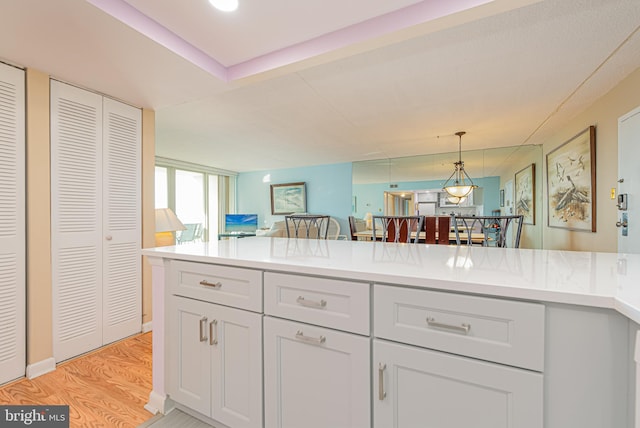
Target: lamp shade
{"points": [[459, 191], [167, 221]]}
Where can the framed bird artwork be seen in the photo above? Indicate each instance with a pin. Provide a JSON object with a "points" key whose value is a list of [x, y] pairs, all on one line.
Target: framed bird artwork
{"points": [[571, 183]]}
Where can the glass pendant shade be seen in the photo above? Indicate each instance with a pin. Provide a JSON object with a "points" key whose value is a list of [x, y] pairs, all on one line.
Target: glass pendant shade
{"points": [[456, 200], [459, 185]]}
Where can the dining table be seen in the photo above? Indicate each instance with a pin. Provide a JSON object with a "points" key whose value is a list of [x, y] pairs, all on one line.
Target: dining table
{"points": [[476, 237]]}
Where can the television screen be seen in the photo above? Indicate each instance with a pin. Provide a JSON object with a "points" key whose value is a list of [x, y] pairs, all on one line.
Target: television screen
{"points": [[241, 223]]}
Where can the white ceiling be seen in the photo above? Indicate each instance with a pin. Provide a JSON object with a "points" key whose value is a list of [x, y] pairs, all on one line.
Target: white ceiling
{"points": [[282, 84]]}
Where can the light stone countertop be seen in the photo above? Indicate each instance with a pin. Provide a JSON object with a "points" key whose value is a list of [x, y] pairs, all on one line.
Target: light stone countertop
{"points": [[606, 280]]}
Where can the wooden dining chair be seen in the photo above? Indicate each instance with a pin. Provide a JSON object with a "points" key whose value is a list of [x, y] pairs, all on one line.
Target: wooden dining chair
{"points": [[397, 228], [488, 231], [436, 229]]}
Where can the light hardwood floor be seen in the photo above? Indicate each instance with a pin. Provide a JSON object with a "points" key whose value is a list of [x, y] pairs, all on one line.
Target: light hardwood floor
{"points": [[105, 388]]}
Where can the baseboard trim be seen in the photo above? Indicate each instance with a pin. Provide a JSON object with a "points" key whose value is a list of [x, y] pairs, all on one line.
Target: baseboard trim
{"points": [[41, 367], [147, 327], [158, 403]]}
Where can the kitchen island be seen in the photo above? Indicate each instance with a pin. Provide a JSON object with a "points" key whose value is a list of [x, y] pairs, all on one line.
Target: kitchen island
{"points": [[277, 332]]}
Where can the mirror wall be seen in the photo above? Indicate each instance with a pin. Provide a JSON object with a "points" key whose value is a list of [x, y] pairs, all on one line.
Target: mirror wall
{"points": [[413, 185]]}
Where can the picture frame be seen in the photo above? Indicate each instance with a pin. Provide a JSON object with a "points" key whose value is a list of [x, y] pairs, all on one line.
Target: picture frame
{"points": [[525, 194], [571, 183], [501, 198], [288, 198]]}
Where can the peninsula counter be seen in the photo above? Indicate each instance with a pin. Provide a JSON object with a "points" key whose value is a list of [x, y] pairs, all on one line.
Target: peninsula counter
{"points": [[535, 337]]}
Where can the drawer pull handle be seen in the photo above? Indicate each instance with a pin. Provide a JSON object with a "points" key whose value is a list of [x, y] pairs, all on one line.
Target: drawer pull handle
{"points": [[463, 328], [311, 303], [213, 328], [210, 284], [381, 392], [203, 332], [315, 340]]}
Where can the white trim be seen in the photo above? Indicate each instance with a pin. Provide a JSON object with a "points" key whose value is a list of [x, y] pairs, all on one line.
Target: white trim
{"points": [[147, 327], [41, 367], [158, 403], [175, 163]]}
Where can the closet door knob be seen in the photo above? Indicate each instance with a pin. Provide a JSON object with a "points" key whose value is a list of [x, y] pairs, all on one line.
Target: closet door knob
{"points": [[108, 237]]}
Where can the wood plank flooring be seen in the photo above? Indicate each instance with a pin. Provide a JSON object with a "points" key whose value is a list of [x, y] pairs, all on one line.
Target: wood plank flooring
{"points": [[105, 388]]}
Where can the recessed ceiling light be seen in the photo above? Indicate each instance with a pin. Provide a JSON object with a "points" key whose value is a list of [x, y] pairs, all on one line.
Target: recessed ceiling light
{"points": [[225, 5]]}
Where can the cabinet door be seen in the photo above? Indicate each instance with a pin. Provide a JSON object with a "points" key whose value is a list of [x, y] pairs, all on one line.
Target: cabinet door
{"points": [[236, 361], [418, 387], [12, 223], [189, 374], [315, 377]]}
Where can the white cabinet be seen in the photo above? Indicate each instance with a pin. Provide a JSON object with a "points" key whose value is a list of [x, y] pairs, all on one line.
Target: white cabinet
{"points": [[503, 331], [95, 220], [422, 381], [334, 303], [215, 361], [315, 377], [12, 223], [418, 387]]}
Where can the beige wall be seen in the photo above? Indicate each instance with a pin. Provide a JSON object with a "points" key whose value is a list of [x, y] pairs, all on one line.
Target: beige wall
{"points": [[39, 295], [148, 205], [39, 308], [604, 114], [531, 233]]}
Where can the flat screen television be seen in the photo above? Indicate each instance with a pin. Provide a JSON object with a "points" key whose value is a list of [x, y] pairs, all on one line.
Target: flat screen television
{"points": [[247, 223]]}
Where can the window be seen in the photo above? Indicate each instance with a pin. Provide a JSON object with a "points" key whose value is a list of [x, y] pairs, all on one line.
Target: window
{"points": [[197, 194], [162, 189]]}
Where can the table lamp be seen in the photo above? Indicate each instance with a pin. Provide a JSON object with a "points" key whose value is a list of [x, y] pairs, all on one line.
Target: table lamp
{"points": [[368, 218], [166, 225]]}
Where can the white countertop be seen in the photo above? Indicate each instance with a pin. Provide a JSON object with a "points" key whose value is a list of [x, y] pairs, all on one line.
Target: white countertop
{"points": [[607, 280]]}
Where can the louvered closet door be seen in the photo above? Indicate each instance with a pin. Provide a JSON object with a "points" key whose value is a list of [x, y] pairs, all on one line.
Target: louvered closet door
{"points": [[122, 277], [76, 219], [12, 224]]}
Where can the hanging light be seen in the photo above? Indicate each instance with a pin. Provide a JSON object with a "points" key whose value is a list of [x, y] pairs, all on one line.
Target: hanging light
{"points": [[459, 184]]}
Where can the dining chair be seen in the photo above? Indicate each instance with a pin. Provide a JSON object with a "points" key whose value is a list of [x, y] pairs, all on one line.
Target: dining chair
{"points": [[309, 226], [397, 228], [488, 231], [436, 229], [333, 231]]}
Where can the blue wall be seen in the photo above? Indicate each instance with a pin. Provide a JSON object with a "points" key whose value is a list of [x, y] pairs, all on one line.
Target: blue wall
{"points": [[328, 190]]}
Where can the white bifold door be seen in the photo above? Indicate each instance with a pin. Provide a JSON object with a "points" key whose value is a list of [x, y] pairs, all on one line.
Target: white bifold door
{"points": [[12, 223], [95, 220]]}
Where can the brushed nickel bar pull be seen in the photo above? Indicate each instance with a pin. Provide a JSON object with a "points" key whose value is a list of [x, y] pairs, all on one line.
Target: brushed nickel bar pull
{"points": [[213, 328], [210, 284], [310, 303], [314, 340], [463, 328], [381, 392], [203, 333]]}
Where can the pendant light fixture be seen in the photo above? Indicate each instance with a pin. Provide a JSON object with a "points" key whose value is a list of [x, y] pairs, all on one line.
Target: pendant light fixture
{"points": [[459, 184]]}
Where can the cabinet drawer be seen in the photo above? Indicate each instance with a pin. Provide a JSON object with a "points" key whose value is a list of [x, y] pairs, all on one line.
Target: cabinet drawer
{"points": [[230, 286], [497, 330], [343, 305]]}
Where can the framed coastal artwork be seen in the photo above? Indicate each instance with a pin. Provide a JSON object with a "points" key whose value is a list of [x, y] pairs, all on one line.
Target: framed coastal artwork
{"points": [[525, 194], [571, 183], [288, 198]]}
